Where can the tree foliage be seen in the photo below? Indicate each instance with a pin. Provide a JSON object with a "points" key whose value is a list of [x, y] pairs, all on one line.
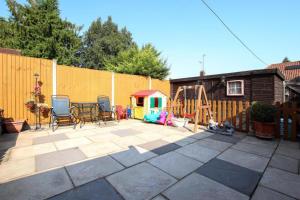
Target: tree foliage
{"points": [[286, 59], [146, 61], [103, 42], [37, 30]]}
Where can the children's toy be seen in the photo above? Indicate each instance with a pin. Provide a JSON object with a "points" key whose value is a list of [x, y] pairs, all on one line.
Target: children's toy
{"points": [[202, 103], [225, 128], [163, 117], [128, 110], [147, 101], [152, 117]]}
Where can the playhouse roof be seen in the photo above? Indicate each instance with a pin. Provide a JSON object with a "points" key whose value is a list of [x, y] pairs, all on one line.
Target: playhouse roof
{"points": [[144, 93]]}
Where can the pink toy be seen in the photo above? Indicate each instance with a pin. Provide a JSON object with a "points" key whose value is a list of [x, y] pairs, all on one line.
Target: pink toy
{"points": [[162, 118]]}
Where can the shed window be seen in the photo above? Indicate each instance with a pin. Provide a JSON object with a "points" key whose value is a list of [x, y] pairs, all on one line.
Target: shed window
{"points": [[235, 88]]}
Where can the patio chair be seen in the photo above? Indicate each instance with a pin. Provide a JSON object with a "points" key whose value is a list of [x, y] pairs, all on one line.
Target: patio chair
{"points": [[61, 112], [121, 112], [106, 112]]}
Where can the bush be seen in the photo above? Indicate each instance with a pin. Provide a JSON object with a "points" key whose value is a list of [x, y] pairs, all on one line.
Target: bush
{"points": [[261, 112]]}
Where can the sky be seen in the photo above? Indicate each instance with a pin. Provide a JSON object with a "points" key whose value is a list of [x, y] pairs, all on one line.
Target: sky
{"points": [[185, 30]]}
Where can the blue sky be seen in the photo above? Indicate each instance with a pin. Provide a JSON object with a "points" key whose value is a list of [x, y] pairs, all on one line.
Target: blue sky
{"points": [[184, 30]]}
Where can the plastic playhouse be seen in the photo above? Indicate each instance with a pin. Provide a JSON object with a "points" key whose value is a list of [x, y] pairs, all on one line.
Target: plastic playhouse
{"points": [[146, 102]]}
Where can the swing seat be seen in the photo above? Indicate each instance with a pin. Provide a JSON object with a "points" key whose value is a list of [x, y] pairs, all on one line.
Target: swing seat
{"points": [[189, 116], [179, 122]]}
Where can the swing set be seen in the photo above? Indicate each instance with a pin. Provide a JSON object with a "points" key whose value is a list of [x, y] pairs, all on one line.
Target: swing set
{"points": [[202, 103]]}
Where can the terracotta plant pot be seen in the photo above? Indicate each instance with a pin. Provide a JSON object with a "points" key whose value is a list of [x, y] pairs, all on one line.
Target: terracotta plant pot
{"points": [[13, 126], [264, 129]]}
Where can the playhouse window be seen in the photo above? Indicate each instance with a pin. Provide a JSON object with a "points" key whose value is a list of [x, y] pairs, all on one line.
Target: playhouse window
{"points": [[155, 102], [235, 88], [140, 101]]}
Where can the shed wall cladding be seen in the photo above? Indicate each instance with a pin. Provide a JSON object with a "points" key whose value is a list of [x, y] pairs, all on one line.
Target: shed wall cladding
{"points": [[265, 88]]}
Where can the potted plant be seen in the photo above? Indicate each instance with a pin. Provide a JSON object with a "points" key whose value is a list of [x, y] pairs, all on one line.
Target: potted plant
{"points": [[44, 109], [263, 117], [30, 104]]}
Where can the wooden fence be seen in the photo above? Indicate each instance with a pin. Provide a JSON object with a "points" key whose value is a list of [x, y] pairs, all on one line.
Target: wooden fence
{"points": [[80, 84], [236, 112]]}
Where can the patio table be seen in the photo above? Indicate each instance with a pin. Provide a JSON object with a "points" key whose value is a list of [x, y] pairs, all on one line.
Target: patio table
{"points": [[85, 111]]}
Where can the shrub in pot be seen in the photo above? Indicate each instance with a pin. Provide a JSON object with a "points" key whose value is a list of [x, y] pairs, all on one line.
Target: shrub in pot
{"points": [[30, 105], [263, 117]]}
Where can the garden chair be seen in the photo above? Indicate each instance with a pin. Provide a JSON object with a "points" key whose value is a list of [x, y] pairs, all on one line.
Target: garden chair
{"points": [[121, 113], [61, 112], [106, 112]]}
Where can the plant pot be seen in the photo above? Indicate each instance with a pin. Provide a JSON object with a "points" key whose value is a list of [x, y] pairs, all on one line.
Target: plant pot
{"points": [[45, 112], [264, 129], [13, 126]]}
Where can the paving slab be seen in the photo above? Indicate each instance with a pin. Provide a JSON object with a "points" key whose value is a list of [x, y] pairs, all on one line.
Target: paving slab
{"points": [[18, 168], [262, 142], [90, 170], [196, 186], [39, 186], [103, 137], [141, 182], [263, 193], [49, 138], [201, 135], [126, 132], [236, 177], [150, 136], [214, 144], [160, 146], [159, 197], [58, 158], [125, 142], [284, 163], [71, 143], [31, 151], [290, 152], [226, 138], [198, 152], [99, 149], [255, 149], [133, 155], [96, 190], [4, 145], [282, 181], [289, 144], [175, 164], [248, 160]]}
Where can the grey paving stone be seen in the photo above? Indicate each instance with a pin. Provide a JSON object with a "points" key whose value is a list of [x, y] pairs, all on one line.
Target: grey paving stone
{"points": [[282, 181], [290, 152], [214, 144], [225, 138], [141, 182], [239, 178], [284, 163], [159, 197], [196, 186], [39, 186], [250, 161], [261, 142], [255, 149], [175, 164], [126, 132], [90, 170], [160, 146], [133, 156], [58, 158], [96, 190], [198, 152], [201, 135], [262, 193], [185, 141], [289, 144], [49, 138]]}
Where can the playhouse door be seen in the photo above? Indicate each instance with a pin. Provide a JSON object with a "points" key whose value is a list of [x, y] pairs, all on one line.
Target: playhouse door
{"points": [[139, 112]]}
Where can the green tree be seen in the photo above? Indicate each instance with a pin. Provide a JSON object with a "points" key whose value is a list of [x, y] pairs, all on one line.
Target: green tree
{"points": [[285, 60], [40, 32], [103, 42], [146, 61]]}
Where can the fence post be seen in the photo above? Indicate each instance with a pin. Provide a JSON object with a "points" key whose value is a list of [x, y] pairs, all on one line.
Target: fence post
{"points": [[54, 79], [113, 88]]}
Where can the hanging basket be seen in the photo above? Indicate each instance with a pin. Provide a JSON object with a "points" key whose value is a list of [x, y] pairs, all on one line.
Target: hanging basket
{"points": [[180, 122]]}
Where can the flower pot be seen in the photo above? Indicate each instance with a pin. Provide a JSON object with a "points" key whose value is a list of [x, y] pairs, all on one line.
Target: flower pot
{"points": [[13, 126], [264, 129]]}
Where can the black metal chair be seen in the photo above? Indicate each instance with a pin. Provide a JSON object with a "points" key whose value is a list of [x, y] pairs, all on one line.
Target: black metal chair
{"points": [[106, 112], [61, 112]]}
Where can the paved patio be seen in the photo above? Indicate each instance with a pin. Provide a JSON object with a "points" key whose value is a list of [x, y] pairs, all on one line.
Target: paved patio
{"points": [[133, 160]]}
